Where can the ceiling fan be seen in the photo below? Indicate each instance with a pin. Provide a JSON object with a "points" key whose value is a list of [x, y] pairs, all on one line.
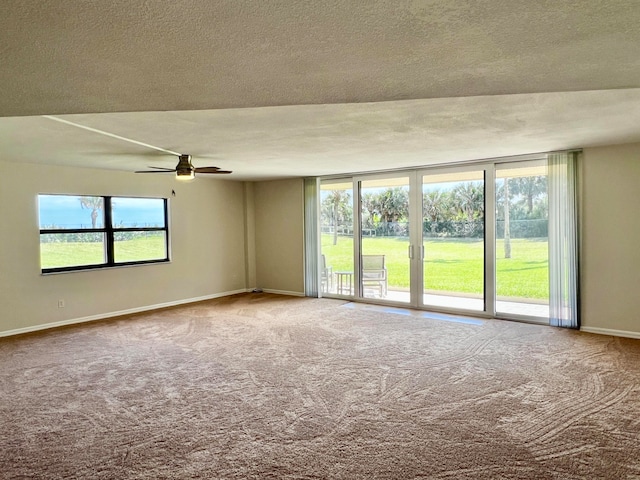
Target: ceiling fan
{"points": [[185, 170]]}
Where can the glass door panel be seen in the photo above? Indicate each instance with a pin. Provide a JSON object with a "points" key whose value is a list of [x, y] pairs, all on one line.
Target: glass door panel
{"points": [[336, 246], [453, 240], [522, 244], [384, 239]]}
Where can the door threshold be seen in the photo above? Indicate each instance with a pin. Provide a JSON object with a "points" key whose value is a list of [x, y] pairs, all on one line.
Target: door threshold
{"points": [[414, 313]]}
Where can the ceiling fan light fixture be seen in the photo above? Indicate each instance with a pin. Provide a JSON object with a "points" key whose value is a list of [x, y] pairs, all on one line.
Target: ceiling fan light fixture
{"points": [[185, 175]]}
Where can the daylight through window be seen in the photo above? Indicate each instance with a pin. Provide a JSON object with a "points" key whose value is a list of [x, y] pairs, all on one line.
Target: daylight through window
{"points": [[81, 232]]}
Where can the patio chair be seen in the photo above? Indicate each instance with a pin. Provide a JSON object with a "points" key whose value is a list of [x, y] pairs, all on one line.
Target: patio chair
{"points": [[374, 273], [326, 275]]}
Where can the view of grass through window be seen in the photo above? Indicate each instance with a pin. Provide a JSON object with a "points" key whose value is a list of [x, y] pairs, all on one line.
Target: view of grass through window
{"points": [[75, 231], [453, 232], [529, 255], [522, 231]]}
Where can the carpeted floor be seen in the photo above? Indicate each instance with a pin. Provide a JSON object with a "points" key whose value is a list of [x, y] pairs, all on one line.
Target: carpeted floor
{"points": [[266, 386]]}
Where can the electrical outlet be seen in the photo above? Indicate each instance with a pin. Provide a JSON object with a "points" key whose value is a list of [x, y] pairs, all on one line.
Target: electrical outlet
{"points": [[60, 303]]}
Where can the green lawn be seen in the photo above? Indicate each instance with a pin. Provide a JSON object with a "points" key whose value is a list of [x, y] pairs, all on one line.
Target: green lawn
{"points": [[450, 266], [54, 255], [454, 265]]}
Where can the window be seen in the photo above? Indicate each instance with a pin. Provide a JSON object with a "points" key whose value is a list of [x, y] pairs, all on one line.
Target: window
{"points": [[82, 232]]}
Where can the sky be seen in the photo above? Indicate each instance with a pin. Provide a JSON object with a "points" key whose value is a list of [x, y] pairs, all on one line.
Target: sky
{"points": [[65, 211]]}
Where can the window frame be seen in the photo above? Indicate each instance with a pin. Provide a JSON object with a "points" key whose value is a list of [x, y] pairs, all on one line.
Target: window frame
{"points": [[109, 232]]}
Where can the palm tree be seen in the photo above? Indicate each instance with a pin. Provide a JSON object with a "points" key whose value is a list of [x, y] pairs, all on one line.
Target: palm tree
{"points": [[530, 188], [338, 203], [434, 206], [393, 205], [95, 204], [468, 199], [370, 205]]}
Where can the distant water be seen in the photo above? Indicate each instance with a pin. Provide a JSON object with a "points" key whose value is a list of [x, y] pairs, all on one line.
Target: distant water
{"points": [[64, 211]]}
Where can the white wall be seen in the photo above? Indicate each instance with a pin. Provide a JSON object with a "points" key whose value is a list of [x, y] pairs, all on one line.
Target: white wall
{"points": [[279, 214], [610, 238], [207, 243]]}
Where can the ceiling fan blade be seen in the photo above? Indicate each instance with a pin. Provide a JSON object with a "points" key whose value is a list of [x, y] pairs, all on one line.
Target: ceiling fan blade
{"points": [[155, 171], [217, 171], [163, 168], [207, 169]]}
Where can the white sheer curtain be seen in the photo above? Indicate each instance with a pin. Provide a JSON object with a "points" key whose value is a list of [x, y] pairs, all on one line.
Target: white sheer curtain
{"points": [[311, 250], [563, 240]]}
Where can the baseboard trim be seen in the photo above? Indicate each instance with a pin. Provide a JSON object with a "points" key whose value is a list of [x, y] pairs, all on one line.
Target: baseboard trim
{"points": [[283, 292], [609, 331], [119, 313]]}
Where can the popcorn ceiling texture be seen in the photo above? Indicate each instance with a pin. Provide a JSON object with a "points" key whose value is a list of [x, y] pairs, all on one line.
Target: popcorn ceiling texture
{"points": [[307, 140], [349, 86], [72, 56]]}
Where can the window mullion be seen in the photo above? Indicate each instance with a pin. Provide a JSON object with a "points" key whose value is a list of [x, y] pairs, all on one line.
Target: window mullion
{"points": [[108, 227]]}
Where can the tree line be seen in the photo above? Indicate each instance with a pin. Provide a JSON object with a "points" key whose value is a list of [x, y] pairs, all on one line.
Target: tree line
{"points": [[521, 209]]}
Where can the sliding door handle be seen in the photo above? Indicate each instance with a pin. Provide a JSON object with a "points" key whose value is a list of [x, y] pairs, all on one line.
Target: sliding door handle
{"points": [[411, 252]]}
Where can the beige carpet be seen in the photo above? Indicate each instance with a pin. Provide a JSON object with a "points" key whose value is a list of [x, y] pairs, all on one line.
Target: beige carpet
{"points": [[265, 386]]}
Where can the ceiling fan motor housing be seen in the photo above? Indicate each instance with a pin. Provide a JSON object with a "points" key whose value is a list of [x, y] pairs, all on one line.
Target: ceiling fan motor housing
{"points": [[185, 169], [184, 166]]}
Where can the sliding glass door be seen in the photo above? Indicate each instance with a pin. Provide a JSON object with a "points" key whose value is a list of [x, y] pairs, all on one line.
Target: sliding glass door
{"points": [[336, 238], [522, 239], [385, 245], [453, 240], [472, 238]]}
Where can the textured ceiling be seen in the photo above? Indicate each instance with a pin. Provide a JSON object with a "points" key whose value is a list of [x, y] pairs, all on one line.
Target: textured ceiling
{"points": [[478, 73]]}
